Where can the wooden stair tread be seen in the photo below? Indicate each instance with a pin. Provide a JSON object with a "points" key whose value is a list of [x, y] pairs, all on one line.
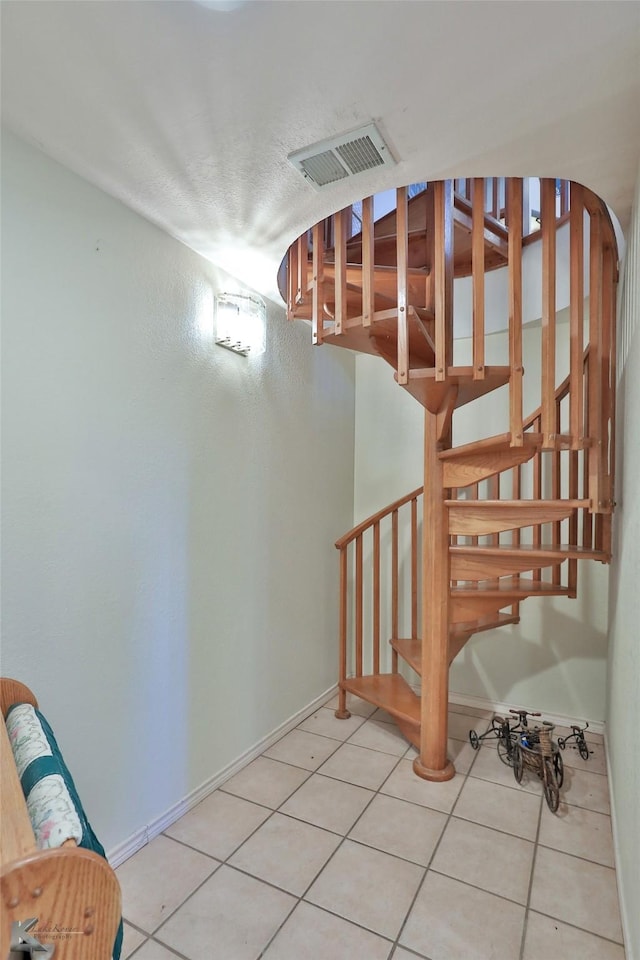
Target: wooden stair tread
{"points": [[389, 691], [431, 392], [511, 589], [501, 441], [551, 551], [410, 649], [481, 517]]}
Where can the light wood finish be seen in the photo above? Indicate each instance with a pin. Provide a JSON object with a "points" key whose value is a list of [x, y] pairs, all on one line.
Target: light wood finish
{"points": [[511, 588], [432, 393], [477, 267], [340, 271], [548, 206], [73, 888], [576, 313], [483, 563], [318, 283], [475, 465], [402, 260], [376, 597], [432, 762], [395, 610], [443, 275], [359, 607], [369, 280], [483, 517], [595, 361], [390, 692], [342, 712], [515, 311]]}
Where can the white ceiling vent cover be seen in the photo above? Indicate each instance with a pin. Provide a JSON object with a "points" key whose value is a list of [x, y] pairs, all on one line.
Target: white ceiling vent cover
{"points": [[341, 157]]}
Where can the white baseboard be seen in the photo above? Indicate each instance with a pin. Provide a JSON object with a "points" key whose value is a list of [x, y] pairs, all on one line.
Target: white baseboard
{"points": [[630, 949], [480, 703], [128, 847]]}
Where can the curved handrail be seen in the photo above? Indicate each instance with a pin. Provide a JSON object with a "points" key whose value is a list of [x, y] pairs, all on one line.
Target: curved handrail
{"points": [[364, 525]]}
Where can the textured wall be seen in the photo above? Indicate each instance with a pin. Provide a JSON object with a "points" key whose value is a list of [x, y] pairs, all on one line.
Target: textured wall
{"points": [[623, 717], [169, 509]]}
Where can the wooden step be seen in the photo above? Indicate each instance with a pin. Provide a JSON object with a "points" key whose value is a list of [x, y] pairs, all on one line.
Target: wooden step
{"points": [[389, 691], [481, 517], [431, 393], [487, 562], [475, 607], [473, 462], [510, 590], [411, 649]]}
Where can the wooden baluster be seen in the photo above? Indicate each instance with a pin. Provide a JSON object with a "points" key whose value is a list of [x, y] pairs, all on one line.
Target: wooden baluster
{"points": [[342, 713], [376, 597], [359, 601], [564, 197], [609, 426], [573, 521], [495, 202], [443, 275], [515, 311], [317, 318], [576, 321], [292, 280], [477, 269], [608, 385], [368, 306], [402, 261], [587, 524], [595, 362], [537, 494], [303, 267], [414, 569], [340, 227], [394, 587], [556, 493], [516, 493], [548, 208]]}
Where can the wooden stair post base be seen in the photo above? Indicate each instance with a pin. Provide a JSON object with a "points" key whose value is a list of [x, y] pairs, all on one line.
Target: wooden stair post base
{"points": [[448, 772], [342, 714]]}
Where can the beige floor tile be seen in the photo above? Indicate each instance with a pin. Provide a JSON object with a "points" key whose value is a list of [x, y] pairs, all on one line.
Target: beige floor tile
{"points": [[586, 789], [595, 764], [460, 753], [325, 723], [355, 705], [380, 736], [313, 934], [400, 828], [580, 832], [580, 893], [365, 768], [477, 712], [231, 917], [371, 888], [493, 805], [155, 951], [158, 878], [547, 938], [266, 781], [489, 766], [452, 921], [286, 852], [131, 940], [219, 824], [461, 723], [328, 803], [497, 862], [402, 954], [302, 749], [405, 785]]}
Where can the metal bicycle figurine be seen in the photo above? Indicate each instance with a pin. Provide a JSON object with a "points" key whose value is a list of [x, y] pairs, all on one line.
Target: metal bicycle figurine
{"points": [[541, 755], [506, 730], [577, 734]]}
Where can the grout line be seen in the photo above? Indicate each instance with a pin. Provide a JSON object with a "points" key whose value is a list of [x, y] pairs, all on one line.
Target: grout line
{"points": [[617, 943], [530, 888]]}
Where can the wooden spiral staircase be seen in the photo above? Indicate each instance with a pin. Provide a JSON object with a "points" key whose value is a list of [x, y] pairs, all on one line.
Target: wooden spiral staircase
{"points": [[506, 517]]}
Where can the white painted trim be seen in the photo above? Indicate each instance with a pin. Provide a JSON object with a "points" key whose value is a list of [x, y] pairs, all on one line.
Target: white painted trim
{"points": [[128, 847], [630, 948], [480, 703]]}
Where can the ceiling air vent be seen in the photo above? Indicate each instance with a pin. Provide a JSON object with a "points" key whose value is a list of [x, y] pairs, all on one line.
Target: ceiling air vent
{"points": [[341, 157]]}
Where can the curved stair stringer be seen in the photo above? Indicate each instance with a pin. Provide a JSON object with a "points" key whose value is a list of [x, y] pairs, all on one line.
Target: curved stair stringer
{"points": [[504, 518]]}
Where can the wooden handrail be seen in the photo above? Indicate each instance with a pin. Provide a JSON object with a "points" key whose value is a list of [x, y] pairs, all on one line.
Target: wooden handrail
{"points": [[376, 518]]}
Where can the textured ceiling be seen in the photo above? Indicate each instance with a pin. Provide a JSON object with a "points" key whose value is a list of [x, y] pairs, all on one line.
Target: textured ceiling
{"points": [[186, 111]]}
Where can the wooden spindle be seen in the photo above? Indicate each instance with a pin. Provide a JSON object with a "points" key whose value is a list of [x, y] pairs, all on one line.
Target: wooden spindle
{"points": [[515, 312], [359, 604], [340, 226], [402, 263], [573, 521], [587, 525], [342, 711], [292, 280], [576, 315], [367, 262], [556, 493], [595, 361], [303, 267], [537, 495], [548, 208], [443, 275], [477, 270], [318, 284], [414, 568], [376, 597], [394, 587]]}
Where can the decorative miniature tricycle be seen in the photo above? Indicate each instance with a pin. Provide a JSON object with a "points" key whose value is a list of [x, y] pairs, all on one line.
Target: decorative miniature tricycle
{"points": [[577, 734], [537, 751], [506, 731]]}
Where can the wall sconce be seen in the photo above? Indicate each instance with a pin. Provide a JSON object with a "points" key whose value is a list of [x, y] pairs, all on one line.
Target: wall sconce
{"points": [[240, 323]]}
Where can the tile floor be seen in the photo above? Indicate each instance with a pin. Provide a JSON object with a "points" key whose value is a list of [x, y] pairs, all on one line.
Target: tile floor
{"points": [[327, 847]]}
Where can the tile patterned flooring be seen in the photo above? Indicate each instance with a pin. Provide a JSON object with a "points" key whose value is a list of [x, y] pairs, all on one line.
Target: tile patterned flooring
{"points": [[328, 847]]}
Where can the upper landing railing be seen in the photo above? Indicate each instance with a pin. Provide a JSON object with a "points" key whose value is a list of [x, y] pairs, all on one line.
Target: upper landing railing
{"points": [[383, 281]]}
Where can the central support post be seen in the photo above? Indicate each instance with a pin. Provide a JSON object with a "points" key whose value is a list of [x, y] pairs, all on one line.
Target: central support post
{"points": [[432, 762]]}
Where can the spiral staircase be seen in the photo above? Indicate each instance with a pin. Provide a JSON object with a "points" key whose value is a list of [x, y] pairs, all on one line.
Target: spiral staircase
{"points": [[503, 518]]}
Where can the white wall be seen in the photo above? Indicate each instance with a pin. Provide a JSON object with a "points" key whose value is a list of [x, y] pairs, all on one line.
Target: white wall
{"points": [[169, 508], [555, 659], [623, 716]]}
